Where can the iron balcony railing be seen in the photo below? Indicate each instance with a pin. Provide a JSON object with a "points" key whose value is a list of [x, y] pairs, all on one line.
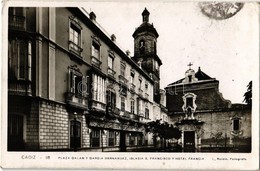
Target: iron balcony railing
{"points": [[96, 62], [111, 72], [73, 47]]}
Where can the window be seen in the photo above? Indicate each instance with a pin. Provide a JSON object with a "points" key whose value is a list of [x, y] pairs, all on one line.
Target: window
{"points": [[95, 50], [122, 69], [99, 88], [146, 86], [236, 125], [110, 62], [19, 59], [111, 99], [132, 106], [140, 83], [147, 113], [111, 138], [132, 77], [16, 17], [142, 46], [156, 65], [189, 102], [74, 38], [74, 34], [78, 83], [140, 108], [122, 104], [155, 49], [190, 78], [95, 138]]}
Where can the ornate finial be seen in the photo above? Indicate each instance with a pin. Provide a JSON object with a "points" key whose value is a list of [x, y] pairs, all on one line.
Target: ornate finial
{"points": [[145, 15], [190, 64]]}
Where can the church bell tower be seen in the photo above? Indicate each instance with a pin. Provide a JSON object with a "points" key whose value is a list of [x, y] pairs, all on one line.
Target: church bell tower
{"points": [[145, 51]]}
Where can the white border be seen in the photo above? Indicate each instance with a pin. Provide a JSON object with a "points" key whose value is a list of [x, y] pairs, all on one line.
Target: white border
{"points": [[178, 160]]}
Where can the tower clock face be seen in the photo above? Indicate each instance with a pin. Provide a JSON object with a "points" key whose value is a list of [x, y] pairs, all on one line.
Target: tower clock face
{"points": [[220, 10]]}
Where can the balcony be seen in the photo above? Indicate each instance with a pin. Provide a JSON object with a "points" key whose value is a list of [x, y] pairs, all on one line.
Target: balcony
{"points": [[111, 73], [125, 114], [97, 106], [16, 22], [77, 100], [132, 88], [122, 79], [96, 62], [134, 117], [19, 87], [75, 49], [143, 119]]}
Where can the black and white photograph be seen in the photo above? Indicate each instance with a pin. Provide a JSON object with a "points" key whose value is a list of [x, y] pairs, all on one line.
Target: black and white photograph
{"points": [[165, 81]]}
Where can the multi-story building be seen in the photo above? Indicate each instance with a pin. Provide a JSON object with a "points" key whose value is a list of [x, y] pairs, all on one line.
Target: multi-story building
{"points": [[70, 86]]}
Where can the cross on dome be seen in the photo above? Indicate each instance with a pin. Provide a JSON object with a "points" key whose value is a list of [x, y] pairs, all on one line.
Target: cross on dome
{"points": [[190, 64]]}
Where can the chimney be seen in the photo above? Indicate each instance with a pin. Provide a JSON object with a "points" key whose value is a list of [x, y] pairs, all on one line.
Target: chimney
{"points": [[113, 37], [92, 16]]}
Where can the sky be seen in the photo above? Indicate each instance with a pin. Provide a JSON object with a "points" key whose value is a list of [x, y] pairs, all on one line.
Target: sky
{"points": [[227, 50]]}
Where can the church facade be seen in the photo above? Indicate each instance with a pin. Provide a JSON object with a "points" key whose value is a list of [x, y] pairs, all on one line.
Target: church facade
{"points": [[206, 119]]}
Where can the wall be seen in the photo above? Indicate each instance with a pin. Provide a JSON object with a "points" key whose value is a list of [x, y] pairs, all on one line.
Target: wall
{"points": [[53, 126]]}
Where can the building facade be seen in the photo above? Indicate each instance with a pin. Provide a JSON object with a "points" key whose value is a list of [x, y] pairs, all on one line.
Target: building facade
{"points": [[70, 86], [205, 118]]}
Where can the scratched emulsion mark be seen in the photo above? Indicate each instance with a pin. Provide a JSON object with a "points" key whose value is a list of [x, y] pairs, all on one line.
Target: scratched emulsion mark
{"points": [[220, 10]]}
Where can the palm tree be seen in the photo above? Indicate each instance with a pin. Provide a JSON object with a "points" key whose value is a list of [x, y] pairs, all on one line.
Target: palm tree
{"points": [[248, 94]]}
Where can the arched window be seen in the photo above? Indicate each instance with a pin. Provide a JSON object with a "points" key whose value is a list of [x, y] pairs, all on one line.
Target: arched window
{"points": [[142, 46]]}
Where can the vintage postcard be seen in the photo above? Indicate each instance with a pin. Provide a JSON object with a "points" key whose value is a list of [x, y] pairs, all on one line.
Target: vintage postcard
{"points": [[130, 85]]}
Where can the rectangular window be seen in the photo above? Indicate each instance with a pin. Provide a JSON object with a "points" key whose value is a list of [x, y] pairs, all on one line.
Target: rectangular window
{"points": [[95, 138], [146, 86], [16, 17], [99, 88], [189, 102], [111, 99], [140, 108], [236, 125], [19, 56], [95, 50], [147, 113], [190, 78], [74, 34], [132, 77], [122, 69], [110, 62], [122, 104], [140, 83], [132, 106], [78, 83], [111, 138], [74, 38], [156, 65]]}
